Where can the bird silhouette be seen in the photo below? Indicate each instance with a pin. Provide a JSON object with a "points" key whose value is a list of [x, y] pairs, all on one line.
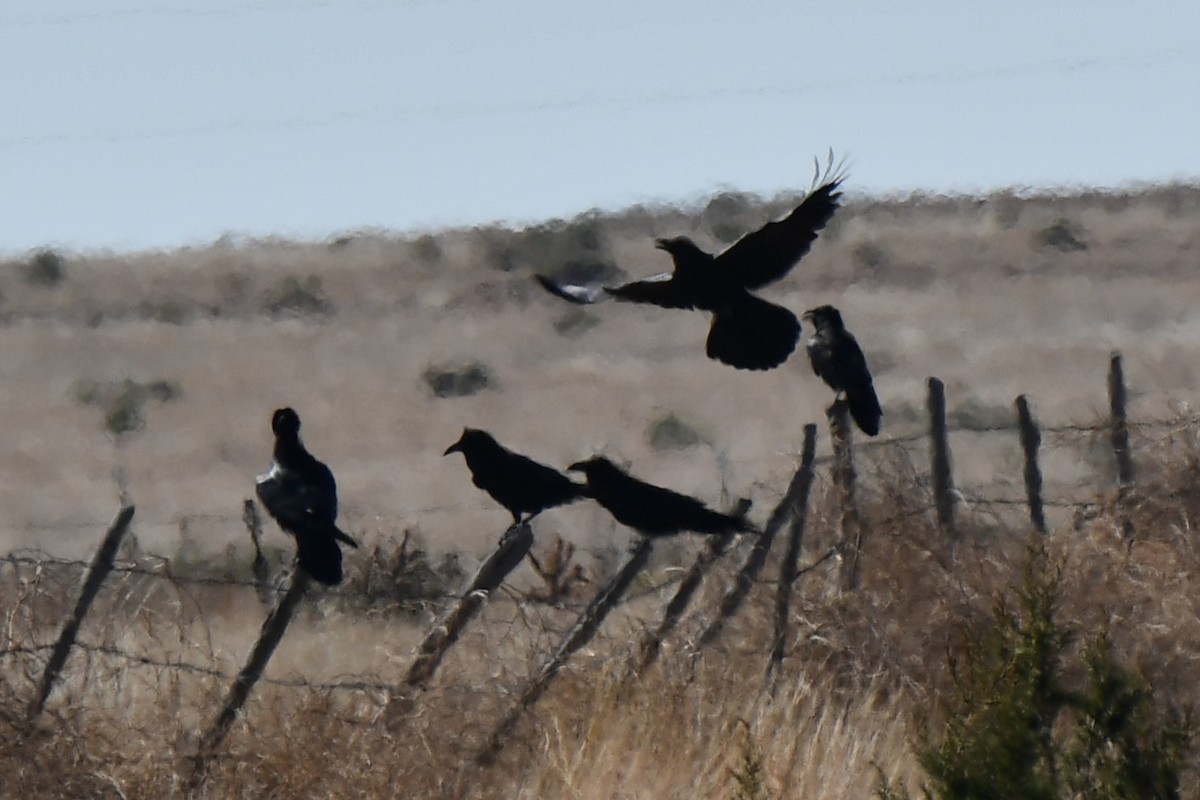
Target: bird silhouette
{"points": [[301, 494], [839, 361], [652, 510], [747, 332], [520, 484]]}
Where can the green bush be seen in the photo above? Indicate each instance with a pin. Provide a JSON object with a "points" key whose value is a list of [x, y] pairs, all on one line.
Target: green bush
{"points": [[1016, 727], [296, 297], [1062, 235]]}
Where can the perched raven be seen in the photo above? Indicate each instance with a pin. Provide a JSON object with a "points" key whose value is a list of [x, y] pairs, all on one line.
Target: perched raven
{"points": [[301, 495], [652, 510], [837, 358], [746, 332], [520, 484]]}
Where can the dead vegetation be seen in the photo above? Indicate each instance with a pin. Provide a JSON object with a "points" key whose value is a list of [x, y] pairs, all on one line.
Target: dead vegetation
{"points": [[997, 296]]}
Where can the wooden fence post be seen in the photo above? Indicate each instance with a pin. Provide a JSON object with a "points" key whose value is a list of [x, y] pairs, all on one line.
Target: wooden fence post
{"points": [[1031, 440], [262, 571], [578, 636], [1119, 425], [507, 556], [101, 566], [787, 567], [270, 636], [652, 640], [943, 478], [844, 478], [742, 584]]}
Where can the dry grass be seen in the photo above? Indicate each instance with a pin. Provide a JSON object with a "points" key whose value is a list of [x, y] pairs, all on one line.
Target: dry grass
{"points": [[961, 288], [863, 674]]}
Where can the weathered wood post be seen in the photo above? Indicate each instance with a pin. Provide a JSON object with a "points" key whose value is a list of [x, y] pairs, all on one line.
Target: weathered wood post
{"points": [[651, 643], [507, 556], [270, 636], [795, 541], [1119, 429], [101, 566], [795, 497], [1031, 440], [939, 442], [260, 568], [844, 479], [578, 636]]}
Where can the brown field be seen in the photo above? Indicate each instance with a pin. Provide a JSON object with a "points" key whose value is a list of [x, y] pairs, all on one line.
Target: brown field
{"points": [[996, 296]]}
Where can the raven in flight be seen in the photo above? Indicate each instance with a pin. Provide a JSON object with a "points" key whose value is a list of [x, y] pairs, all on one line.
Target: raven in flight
{"points": [[301, 495], [747, 332], [652, 510], [839, 361], [520, 484]]}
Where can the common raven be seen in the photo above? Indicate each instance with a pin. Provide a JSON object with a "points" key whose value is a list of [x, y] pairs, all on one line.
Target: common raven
{"points": [[520, 484], [652, 510], [301, 494], [747, 332], [837, 358]]}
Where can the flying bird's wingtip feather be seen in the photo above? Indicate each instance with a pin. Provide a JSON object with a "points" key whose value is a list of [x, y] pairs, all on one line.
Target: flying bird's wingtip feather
{"points": [[583, 295]]}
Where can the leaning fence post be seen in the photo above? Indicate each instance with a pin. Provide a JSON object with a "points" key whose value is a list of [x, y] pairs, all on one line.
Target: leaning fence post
{"points": [[262, 572], [102, 564], [736, 595], [943, 479], [272, 633], [1031, 440], [578, 636], [651, 643], [1120, 438], [504, 559], [787, 568]]}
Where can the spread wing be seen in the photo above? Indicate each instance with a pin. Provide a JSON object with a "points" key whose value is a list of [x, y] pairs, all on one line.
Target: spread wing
{"points": [[583, 295], [659, 290], [767, 254]]}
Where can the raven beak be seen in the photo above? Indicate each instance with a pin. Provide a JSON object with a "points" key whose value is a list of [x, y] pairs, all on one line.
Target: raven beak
{"points": [[661, 244], [807, 316], [578, 466], [454, 448]]}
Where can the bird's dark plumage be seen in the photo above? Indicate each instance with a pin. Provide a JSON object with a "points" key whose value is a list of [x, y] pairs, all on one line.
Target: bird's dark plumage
{"points": [[520, 484], [746, 332], [839, 361], [301, 494], [652, 510]]}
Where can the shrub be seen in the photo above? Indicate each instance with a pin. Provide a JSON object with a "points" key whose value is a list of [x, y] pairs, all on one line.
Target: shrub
{"points": [[45, 268], [1062, 235], [671, 433], [975, 415], [575, 322], [459, 381], [427, 249], [1015, 727], [122, 402], [298, 297]]}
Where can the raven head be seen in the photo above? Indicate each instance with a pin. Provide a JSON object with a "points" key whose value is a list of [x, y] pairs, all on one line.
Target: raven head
{"points": [[824, 317], [683, 250], [470, 436], [285, 421]]}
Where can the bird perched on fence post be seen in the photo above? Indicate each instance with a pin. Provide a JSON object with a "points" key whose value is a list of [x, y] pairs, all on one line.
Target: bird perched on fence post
{"points": [[839, 361], [518, 483], [301, 494], [746, 332], [652, 510]]}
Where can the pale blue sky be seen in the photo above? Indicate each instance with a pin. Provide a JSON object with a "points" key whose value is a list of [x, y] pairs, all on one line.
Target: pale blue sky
{"points": [[130, 124]]}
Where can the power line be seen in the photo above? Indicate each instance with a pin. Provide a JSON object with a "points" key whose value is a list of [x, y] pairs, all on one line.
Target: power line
{"points": [[388, 115]]}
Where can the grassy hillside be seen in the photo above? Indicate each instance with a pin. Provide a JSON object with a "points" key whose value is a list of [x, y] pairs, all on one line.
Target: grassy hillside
{"points": [[155, 374]]}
